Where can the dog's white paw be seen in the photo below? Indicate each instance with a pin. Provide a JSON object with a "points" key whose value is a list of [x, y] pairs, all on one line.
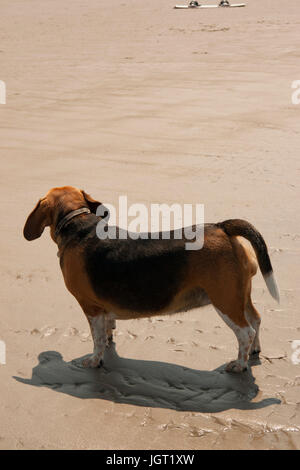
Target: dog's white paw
{"points": [[236, 366], [92, 362]]}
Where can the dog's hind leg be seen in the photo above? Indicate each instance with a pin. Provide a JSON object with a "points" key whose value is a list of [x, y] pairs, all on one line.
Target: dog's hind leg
{"points": [[229, 299], [254, 319], [245, 334]]}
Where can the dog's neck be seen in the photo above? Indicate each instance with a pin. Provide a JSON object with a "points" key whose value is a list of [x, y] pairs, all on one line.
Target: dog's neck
{"points": [[61, 224], [69, 216]]}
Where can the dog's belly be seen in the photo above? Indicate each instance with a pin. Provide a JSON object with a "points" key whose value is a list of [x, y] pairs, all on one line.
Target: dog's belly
{"points": [[188, 300], [193, 298]]}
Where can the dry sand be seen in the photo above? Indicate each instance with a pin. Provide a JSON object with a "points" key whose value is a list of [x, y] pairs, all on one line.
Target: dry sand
{"points": [[162, 105]]}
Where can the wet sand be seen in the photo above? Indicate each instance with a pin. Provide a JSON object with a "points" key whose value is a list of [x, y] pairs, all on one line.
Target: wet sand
{"points": [[161, 105]]}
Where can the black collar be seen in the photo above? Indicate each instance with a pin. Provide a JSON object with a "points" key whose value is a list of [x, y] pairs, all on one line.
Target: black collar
{"points": [[66, 218]]}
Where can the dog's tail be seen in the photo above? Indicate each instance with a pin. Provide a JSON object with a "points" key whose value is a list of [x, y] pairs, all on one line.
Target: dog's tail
{"points": [[242, 228]]}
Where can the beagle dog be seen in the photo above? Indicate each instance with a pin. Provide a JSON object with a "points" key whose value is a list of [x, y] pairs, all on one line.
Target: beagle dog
{"points": [[135, 278]]}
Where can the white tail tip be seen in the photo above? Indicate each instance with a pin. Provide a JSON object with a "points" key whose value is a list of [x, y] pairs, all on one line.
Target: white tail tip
{"points": [[272, 286]]}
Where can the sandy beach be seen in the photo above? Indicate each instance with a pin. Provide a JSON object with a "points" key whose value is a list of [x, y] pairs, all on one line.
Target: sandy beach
{"points": [[165, 106]]}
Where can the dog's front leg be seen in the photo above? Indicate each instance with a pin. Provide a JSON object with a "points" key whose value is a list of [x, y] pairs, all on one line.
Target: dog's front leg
{"points": [[110, 325], [98, 330]]}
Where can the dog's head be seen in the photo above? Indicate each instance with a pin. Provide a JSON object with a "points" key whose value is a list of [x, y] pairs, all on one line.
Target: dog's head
{"points": [[56, 204]]}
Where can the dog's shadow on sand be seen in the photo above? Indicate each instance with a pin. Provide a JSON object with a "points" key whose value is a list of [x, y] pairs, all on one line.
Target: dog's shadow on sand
{"points": [[148, 383]]}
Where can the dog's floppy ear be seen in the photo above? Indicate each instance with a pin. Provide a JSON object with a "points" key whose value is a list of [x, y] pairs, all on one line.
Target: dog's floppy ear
{"points": [[93, 205], [37, 220]]}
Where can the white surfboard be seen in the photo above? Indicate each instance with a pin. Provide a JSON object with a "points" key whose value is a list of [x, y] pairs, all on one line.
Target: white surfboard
{"points": [[233, 5]]}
